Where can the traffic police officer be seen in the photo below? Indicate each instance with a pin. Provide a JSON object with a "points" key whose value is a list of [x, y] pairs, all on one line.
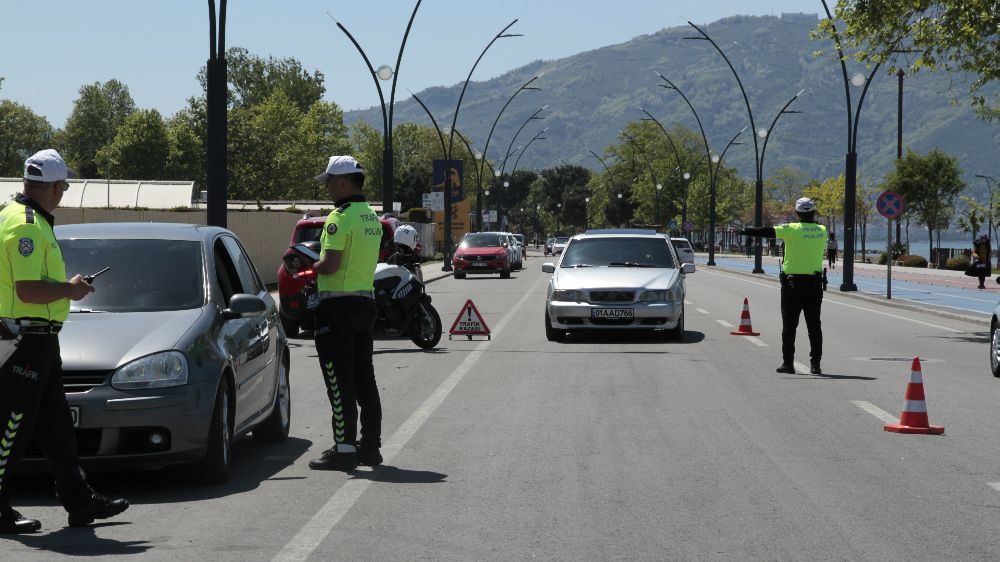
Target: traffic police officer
{"points": [[34, 296], [349, 249], [801, 281]]}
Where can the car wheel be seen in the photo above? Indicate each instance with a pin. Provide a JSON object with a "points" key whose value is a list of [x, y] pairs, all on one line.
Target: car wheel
{"points": [[677, 333], [995, 350], [505, 274], [275, 428], [215, 467], [290, 326], [459, 275], [553, 334]]}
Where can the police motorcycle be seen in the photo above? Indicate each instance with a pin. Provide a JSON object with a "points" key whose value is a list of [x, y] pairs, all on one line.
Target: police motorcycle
{"points": [[404, 308]]}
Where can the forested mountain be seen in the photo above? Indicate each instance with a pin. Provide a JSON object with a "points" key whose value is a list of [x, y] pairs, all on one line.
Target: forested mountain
{"points": [[593, 94]]}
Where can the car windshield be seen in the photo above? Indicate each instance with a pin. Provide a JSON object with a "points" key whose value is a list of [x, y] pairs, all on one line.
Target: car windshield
{"points": [[145, 275], [481, 240], [617, 252], [683, 244], [562, 240], [308, 234]]}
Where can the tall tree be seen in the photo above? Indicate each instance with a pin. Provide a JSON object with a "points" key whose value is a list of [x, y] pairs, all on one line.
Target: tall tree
{"points": [[253, 80], [929, 185], [96, 116], [22, 133], [186, 156], [959, 36], [139, 150], [829, 198]]}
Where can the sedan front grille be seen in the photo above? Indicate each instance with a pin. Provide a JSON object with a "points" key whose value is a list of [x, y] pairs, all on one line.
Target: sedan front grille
{"points": [[82, 381], [612, 296]]}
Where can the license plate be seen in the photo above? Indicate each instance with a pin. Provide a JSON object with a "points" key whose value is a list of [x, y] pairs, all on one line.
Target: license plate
{"points": [[479, 264], [312, 301], [615, 313], [74, 412]]}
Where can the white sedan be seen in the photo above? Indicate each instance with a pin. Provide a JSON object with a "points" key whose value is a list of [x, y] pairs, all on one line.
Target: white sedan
{"points": [[616, 280]]}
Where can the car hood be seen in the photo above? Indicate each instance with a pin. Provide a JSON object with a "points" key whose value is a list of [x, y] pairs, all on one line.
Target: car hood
{"points": [[615, 278], [107, 340], [485, 250]]}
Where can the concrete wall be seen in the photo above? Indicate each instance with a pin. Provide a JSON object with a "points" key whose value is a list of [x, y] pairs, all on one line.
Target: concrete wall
{"points": [[265, 235]]}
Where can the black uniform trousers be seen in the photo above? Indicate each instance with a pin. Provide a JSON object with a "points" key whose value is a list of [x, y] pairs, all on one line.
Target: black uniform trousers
{"points": [[33, 407], [801, 295], [344, 343]]}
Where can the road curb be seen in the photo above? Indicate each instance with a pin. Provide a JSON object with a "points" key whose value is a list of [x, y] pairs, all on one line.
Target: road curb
{"points": [[971, 317], [433, 266]]}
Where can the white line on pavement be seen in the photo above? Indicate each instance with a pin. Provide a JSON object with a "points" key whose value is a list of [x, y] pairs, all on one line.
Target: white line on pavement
{"points": [[316, 529], [994, 485], [702, 310], [800, 368], [755, 341], [689, 303], [725, 324], [875, 411], [827, 299]]}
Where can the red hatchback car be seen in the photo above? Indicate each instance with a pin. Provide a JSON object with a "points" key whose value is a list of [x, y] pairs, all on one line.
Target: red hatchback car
{"points": [[297, 293], [481, 252]]}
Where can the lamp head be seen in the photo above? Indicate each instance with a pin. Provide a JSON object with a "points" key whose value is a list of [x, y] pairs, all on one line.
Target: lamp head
{"points": [[687, 175], [384, 72], [858, 80]]}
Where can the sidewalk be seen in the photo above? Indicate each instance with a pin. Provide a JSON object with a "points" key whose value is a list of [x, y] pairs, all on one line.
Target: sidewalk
{"points": [[948, 292]]}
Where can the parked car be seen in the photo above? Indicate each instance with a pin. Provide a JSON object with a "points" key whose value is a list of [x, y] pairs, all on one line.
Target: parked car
{"points": [[516, 254], [684, 250], [559, 244], [548, 245], [481, 252], [524, 245], [296, 311], [177, 354], [995, 342], [616, 280]]}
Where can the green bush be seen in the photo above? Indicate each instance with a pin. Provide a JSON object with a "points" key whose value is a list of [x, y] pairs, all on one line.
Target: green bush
{"points": [[419, 214], [958, 263], [882, 260], [914, 261]]}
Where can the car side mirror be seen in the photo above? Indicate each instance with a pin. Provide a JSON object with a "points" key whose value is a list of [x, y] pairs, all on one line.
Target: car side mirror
{"points": [[244, 306], [687, 268], [548, 268]]}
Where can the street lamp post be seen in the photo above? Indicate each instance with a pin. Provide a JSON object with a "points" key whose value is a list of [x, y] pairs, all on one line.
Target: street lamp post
{"points": [[558, 218], [758, 154], [851, 161], [989, 186], [217, 82], [652, 172], [621, 212], [500, 194], [586, 214], [385, 73], [717, 160]]}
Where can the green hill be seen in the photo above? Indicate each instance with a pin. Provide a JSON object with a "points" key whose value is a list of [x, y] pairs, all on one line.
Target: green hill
{"points": [[593, 94]]}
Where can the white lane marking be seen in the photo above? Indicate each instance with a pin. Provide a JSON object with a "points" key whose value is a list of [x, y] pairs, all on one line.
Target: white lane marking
{"points": [[800, 368], [725, 324], [702, 310], [755, 341], [827, 299], [875, 411], [689, 303], [316, 529], [994, 485]]}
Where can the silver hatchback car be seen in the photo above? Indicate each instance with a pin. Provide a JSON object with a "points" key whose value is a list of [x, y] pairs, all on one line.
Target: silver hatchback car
{"points": [[616, 280], [177, 354]]}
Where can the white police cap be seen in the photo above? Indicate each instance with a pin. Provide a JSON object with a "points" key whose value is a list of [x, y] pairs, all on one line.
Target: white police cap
{"points": [[805, 205]]}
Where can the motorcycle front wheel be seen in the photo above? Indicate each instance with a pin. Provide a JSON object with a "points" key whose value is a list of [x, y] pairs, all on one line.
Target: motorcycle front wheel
{"points": [[425, 329]]}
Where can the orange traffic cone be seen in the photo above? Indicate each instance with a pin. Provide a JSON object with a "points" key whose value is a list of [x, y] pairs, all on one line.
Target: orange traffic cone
{"points": [[914, 416], [746, 329]]}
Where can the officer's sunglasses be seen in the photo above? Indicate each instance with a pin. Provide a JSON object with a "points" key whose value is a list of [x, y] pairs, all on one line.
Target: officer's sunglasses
{"points": [[64, 185]]}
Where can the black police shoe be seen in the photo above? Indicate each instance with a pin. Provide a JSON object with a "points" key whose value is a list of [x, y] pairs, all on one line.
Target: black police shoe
{"points": [[814, 368], [369, 457], [99, 507], [786, 368], [345, 459], [12, 522]]}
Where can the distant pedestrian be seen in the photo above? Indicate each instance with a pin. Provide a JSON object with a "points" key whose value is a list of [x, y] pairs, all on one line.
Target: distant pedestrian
{"points": [[831, 250], [981, 259]]}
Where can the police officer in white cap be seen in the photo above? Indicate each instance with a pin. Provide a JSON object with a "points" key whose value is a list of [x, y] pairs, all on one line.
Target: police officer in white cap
{"points": [[801, 281], [34, 297]]}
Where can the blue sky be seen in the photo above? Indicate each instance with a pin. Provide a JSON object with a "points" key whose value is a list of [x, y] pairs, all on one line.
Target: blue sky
{"points": [[157, 46]]}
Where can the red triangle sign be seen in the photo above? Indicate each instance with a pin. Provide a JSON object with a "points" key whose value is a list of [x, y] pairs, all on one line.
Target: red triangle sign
{"points": [[469, 322]]}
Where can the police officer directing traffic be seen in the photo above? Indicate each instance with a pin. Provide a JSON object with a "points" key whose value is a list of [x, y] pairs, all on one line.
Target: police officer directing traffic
{"points": [[801, 281], [349, 248], [34, 296]]}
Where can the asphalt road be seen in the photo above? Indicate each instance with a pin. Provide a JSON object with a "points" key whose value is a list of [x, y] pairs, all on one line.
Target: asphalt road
{"points": [[602, 447]]}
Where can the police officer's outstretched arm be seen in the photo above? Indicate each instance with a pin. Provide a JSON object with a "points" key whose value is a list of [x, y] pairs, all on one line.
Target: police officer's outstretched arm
{"points": [[758, 231], [27, 265]]}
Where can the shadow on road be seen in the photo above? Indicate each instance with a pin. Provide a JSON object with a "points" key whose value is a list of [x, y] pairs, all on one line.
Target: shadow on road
{"points": [[968, 337], [395, 475], [81, 541], [433, 351], [631, 337], [251, 465], [827, 376]]}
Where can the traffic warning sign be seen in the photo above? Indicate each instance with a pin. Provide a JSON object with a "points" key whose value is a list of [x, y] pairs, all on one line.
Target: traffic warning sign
{"points": [[469, 323]]}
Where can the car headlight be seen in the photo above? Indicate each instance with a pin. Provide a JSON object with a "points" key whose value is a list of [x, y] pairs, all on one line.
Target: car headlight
{"points": [[160, 370], [567, 296], [653, 296]]}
